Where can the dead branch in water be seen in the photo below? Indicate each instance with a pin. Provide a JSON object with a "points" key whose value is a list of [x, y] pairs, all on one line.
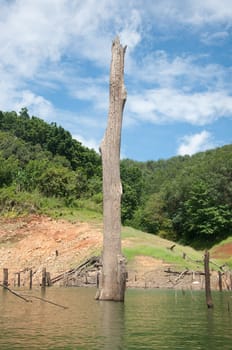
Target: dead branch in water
{"points": [[22, 296], [15, 293], [47, 301]]}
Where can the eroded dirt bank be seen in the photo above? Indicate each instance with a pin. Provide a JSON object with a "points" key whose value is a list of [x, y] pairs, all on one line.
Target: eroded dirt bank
{"points": [[34, 242]]}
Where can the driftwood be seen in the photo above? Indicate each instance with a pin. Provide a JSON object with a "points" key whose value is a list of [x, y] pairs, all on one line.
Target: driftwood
{"points": [[94, 261], [172, 247], [15, 293], [185, 272], [24, 297], [46, 301]]}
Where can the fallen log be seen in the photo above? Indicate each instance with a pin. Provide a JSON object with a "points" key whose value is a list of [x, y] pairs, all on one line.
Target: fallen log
{"points": [[186, 272]]}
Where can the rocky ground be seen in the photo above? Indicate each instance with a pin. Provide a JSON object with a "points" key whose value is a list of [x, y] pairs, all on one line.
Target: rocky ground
{"points": [[35, 242]]}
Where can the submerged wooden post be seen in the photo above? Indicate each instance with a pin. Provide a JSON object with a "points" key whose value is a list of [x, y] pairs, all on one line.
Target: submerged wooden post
{"points": [[220, 281], [18, 279], [208, 295], [5, 277], [113, 278], [44, 278], [48, 279], [30, 279]]}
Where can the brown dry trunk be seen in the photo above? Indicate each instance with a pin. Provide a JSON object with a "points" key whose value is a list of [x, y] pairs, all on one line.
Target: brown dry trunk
{"points": [[113, 277]]}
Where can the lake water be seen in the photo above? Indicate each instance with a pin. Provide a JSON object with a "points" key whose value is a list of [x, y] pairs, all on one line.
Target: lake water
{"points": [[149, 319]]}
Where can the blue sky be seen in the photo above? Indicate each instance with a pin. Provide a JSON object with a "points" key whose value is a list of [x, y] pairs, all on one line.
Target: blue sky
{"points": [[55, 60]]}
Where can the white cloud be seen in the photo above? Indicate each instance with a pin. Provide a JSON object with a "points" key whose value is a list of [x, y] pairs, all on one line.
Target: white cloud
{"points": [[209, 11], [216, 38], [58, 44], [130, 35], [192, 12], [185, 72], [37, 35], [94, 91], [88, 142], [191, 144], [169, 105], [37, 105]]}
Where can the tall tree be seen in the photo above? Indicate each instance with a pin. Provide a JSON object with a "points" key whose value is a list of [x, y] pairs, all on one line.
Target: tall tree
{"points": [[113, 278]]}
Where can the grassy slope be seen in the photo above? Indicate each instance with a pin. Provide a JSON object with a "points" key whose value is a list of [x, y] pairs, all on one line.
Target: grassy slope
{"points": [[223, 251], [140, 243], [135, 243]]}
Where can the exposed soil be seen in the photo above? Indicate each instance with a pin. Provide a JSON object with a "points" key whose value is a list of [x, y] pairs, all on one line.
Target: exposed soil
{"points": [[222, 252], [35, 242]]}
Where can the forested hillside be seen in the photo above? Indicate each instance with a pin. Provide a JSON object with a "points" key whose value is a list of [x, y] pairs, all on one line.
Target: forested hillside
{"points": [[187, 199]]}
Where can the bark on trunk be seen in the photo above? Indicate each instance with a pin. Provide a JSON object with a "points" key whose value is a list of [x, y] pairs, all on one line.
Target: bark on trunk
{"points": [[113, 276]]}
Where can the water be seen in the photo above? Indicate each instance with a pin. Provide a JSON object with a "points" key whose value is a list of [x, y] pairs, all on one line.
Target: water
{"points": [[149, 319]]}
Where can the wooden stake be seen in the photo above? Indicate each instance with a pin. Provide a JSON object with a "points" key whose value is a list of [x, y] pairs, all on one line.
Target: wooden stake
{"points": [[220, 280], [5, 277], [18, 279], [208, 295], [44, 278], [30, 276], [48, 279]]}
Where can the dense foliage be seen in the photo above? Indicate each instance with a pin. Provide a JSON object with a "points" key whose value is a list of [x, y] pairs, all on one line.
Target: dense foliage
{"points": [[42, 157], [188, 199]]}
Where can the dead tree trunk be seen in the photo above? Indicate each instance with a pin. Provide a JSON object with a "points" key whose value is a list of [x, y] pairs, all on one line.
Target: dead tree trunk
{"points": [[113, 277]]}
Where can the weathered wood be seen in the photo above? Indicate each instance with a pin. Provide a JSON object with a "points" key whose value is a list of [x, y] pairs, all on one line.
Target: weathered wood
{"points": [[113, 270], [172, 247], [220, 281], [15, 293], [48, 279], [23, 297], [18, 279], [44, 279], [186, 272], [30, 279], [47, 301], [5, 277], [92, 262], [208, 295]]}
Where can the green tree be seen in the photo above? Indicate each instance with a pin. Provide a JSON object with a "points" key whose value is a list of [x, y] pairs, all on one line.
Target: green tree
{"points": [[203, 219], [57, 182]]}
